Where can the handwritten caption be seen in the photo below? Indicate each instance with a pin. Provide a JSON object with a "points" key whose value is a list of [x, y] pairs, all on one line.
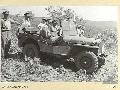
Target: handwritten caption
{"points": [[15, 86]]}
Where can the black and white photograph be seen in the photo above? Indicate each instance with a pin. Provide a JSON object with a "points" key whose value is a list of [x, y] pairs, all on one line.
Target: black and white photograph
{"points": [[59, 44]]}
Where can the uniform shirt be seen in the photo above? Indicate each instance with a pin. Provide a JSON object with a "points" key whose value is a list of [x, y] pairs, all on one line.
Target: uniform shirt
{"points": [[26, 23], [6, 35], [6, 23], [44, 30], [42, 25]]}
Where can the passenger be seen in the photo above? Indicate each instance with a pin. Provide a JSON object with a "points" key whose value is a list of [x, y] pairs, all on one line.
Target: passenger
{"points": [[80, 30], [42, 24], [56, 29], [56, 33], [44, 29]]}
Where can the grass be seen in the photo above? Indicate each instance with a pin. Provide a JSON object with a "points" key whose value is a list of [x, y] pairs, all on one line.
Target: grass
{"points": [[14, 70]]}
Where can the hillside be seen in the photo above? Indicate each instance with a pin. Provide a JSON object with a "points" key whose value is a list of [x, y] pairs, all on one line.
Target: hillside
{"points": [[95, 27], [15, 69]]}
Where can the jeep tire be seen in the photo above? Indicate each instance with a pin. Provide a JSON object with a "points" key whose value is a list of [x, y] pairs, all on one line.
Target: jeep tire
{"points": [[31, 50], [87, 61]]}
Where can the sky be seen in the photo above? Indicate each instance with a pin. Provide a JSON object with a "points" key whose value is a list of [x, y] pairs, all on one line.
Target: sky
{"points": [[94, 13]]}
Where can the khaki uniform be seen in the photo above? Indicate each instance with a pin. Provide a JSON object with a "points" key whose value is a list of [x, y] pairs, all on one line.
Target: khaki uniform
{"points": [[26, 23], [6, 33]]}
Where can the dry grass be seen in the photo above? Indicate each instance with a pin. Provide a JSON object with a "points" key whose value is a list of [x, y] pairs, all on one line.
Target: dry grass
{"points": [[14, 70]]}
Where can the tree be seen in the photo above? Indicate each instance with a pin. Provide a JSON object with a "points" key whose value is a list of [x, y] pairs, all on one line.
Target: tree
{"points": [[54, 12], [69, 14], [60, 13]]}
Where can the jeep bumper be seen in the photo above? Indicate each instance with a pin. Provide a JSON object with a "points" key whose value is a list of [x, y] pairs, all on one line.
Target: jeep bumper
{"points": [[101, 60]]}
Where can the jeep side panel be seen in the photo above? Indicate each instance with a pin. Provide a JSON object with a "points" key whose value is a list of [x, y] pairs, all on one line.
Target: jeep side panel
{"points": [[60, 50], [77, 48]]}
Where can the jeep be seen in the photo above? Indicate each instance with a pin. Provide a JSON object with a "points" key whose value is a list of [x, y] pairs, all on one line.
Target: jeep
{"points": [[84, 51]]}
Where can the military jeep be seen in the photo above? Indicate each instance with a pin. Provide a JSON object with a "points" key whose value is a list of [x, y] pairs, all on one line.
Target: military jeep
{"points": [[84, 51]]}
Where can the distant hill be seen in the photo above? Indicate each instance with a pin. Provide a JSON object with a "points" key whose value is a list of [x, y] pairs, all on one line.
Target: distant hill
{"points": [[95, 27], [108, 24]]}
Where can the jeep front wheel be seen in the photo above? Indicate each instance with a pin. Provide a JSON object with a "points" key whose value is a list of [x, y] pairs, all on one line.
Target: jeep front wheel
{"points": [[87, 61], [31, 50]]}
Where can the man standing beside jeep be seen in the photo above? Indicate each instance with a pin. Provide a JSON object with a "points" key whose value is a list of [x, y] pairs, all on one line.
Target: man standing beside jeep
{"points": [[6, 32]]}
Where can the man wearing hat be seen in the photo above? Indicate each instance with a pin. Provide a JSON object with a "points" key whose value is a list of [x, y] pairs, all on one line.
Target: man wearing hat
{"points": [[27, 18], [26, 22], [44, 28], [42, 24], [6, 32]]}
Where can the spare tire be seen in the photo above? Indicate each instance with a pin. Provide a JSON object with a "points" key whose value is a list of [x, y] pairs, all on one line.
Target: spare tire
{"points": [[87, 61]]}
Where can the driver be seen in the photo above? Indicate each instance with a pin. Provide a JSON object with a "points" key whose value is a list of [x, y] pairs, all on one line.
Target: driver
{"points": [[27, 18], [26, 21]]}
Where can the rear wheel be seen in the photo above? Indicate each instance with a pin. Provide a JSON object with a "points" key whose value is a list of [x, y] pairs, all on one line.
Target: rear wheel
{"points": [[87, 61], [31, 51], [31, 55]]}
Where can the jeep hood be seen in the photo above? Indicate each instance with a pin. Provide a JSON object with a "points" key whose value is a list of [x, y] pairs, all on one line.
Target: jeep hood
{"points": [[80, 40]]}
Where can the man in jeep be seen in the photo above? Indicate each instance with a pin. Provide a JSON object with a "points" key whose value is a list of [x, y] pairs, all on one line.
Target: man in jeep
{"points": [[26, 21], [80, 30], [50, 30], [55, 33], [43, 28]]}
